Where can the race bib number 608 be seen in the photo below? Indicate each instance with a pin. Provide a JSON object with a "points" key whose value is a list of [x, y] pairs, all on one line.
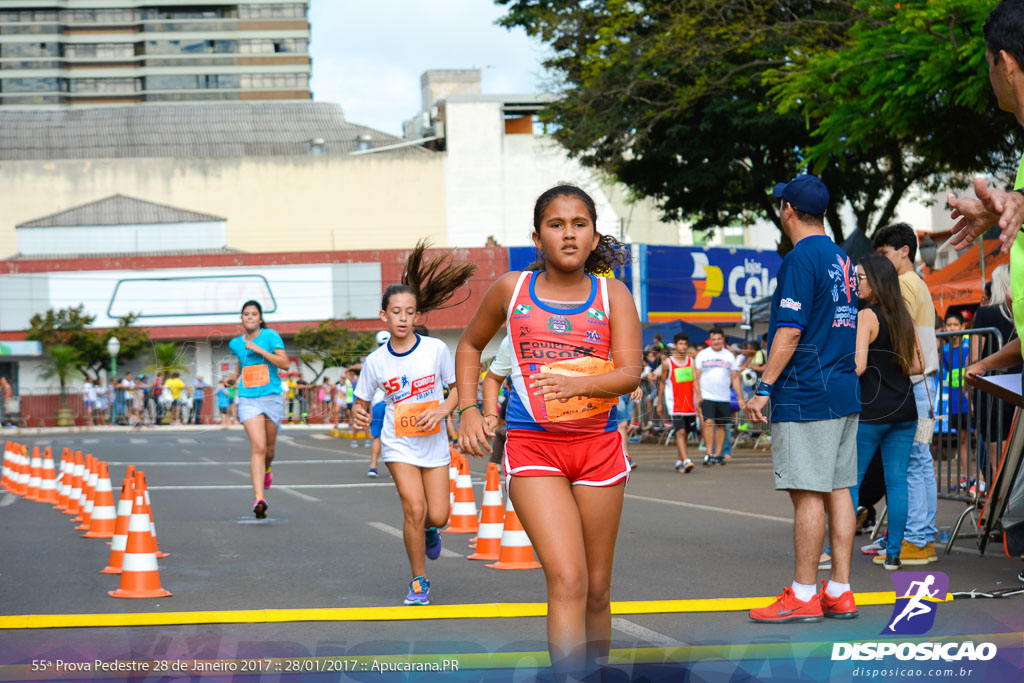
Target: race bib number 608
{"points": [[406, 415]]}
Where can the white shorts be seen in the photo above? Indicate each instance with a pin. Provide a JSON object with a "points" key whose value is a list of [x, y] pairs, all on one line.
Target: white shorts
{"points": [[390, 455], [271, 405]]}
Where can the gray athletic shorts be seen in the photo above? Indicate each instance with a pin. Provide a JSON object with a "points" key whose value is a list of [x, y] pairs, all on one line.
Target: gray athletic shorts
{"points": [[271, 405], [815, 456]]}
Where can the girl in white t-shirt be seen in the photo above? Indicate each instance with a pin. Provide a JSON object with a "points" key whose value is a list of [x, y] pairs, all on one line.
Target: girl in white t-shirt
{"points": [[412, 371]]}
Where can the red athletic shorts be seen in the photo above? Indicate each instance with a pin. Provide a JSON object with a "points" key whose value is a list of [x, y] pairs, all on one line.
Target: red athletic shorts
{"points": [[588, 460]]}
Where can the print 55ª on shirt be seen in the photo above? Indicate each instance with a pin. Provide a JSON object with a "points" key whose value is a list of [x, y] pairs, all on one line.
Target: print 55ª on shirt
{"points": [[400, 389]]}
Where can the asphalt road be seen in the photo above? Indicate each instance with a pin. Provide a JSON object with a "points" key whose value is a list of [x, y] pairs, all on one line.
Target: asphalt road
{"points": [[330, 542]]}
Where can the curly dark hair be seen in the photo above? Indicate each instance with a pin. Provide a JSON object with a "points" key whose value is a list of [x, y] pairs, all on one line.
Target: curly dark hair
{"points": [[432, 282], [609, 253]]}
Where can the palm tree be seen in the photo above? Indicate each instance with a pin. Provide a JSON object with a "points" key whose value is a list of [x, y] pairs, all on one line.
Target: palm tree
{"points": [[64, 362], [168, 358]]}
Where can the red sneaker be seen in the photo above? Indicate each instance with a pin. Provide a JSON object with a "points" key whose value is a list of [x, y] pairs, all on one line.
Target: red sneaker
{"points": [[787, 608], [842, 607]]}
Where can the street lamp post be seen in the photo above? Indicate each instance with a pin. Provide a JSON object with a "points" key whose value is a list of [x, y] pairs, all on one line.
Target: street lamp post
{"points": [[113, 346]]}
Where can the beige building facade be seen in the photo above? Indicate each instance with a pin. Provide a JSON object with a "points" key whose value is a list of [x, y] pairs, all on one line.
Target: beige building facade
{"points": [[276, 204], [286, 176]]}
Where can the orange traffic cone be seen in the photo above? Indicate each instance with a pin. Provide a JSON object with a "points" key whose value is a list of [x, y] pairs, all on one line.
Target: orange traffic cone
{"points": [[35, 475], [104, 514], [463, 518], [140, 575], [120, 539], [453, 477], [47, 479], [75, 494], [10, 478], [149, 508], [88, 499], [492, 518], [8, 460], [23, 470], [67, 466], [516, 549], [124, 507]]}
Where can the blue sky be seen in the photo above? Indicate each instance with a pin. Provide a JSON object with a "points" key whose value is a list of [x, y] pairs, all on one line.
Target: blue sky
{"points": [[368, 54]]}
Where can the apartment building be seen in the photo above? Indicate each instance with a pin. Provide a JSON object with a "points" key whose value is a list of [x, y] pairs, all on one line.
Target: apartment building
{"points": [[59, 53]]}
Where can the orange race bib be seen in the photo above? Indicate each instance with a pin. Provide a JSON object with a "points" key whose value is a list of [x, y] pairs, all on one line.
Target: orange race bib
{"points": [[578, 407], [255, 376], [406, 415]]}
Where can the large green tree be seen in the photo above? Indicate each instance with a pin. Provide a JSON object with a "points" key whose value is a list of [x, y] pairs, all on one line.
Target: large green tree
{"points": [[671, 98], [331, 345], [70, 326], [910, 76]]}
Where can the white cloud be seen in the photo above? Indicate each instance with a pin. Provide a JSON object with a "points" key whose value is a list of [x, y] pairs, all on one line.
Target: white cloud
{"points": [[368, 55]]}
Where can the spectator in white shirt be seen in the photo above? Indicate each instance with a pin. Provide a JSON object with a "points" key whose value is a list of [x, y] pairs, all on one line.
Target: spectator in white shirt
{"points": [[716, 371]]}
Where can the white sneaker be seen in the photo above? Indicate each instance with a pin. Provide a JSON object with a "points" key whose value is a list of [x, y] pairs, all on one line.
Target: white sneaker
{"points": [[874, 548], [678, 465]]}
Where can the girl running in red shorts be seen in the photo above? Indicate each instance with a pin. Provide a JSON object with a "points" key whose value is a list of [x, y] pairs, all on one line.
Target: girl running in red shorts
{"points": [[564, 462], [412, 371]]}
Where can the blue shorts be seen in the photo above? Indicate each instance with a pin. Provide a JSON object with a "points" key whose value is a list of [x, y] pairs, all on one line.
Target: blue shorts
{"points": [[377, 419], [625, 411]]}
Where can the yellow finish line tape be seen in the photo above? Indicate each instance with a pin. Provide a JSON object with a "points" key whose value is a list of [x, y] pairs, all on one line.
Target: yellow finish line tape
{"points": [[497, 610]]}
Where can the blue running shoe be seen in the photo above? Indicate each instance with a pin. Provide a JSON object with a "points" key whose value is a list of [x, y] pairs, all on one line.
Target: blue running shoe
{"points": [[419, 591], [433, 543]]}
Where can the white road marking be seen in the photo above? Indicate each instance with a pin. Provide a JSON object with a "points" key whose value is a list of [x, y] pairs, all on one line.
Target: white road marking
{"points": [[232, 487], [297, 494], [711, 508], [380, 526], [90, 440], [183, 439], [241, 473], [8, 499], [329, 450], [321, 436], [207, 461], [233, 438], [644, 634], [138, 440]]}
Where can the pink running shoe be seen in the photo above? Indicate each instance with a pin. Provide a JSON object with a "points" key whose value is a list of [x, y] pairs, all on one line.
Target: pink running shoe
{"points": [[268, 479]]}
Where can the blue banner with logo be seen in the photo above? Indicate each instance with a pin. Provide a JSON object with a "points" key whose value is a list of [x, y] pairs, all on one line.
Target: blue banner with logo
{"points": [[699, 284]]}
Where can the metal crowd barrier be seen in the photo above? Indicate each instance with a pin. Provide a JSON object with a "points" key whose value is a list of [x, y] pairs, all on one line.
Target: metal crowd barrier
{"points": [[971, 427]]}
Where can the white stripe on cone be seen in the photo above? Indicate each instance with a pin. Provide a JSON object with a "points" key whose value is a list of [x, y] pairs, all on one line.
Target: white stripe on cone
{"points": [[464, 509], [139, 562], [138, 523], [513, 539], [104, 512], [124, 508], [490, 530], [119, 542]]}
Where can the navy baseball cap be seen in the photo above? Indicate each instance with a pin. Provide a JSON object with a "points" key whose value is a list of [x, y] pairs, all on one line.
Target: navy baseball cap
{"points": [[805, 192]]}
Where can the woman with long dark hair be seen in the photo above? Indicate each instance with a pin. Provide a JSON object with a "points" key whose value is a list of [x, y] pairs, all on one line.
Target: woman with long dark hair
{"points": [[261, 354], [887, 355]]}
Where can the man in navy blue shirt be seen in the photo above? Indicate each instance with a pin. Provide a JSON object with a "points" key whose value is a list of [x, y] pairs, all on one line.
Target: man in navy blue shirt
{"points": [[811, 383]]}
